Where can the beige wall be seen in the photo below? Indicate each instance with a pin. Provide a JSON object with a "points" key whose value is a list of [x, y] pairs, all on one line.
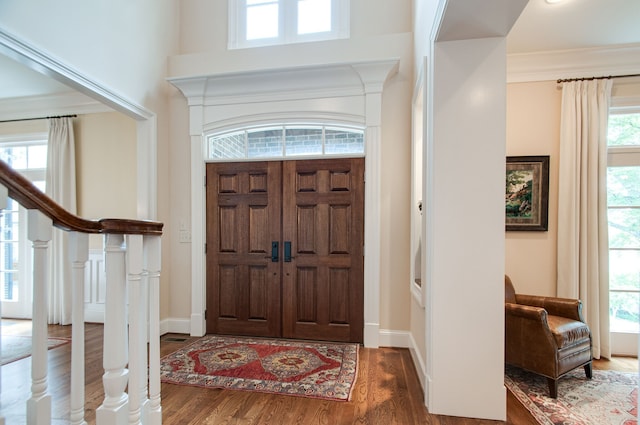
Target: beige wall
{"points": [[533, 128], [106, 165], [8, 129]]}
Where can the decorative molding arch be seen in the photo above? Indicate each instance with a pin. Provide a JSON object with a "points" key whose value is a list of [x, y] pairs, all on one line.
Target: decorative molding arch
{"points": [[345, 93]]}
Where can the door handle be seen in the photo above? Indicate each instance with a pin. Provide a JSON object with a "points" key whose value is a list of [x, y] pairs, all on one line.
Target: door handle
{"points": [[274, 251], [287, 252]]}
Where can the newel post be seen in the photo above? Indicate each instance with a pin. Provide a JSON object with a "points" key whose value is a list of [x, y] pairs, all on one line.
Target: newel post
{"points": [[39, 230]]}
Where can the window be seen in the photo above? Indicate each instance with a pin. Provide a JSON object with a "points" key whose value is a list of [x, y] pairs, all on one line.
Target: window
{"points": [[286, 141], [254, 23], [29, 158], [623, 200]]}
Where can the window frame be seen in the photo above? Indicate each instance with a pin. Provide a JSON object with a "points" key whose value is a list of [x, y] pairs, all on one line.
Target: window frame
{"points": [[21, 308], [287, 25], [284, 153], [623, 156]]}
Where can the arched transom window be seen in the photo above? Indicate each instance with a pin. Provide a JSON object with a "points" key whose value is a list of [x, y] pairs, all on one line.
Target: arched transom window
{"points": [[278, 141]]}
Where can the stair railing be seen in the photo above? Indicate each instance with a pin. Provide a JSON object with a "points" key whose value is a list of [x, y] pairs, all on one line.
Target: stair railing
{"points": [[131, 376]]}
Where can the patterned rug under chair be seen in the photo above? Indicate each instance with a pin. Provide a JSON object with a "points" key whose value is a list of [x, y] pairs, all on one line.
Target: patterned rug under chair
{"points": [[609, 398]]}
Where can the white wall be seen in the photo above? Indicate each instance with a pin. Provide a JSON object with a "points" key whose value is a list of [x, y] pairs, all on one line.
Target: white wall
{"points": [[465, 239], [119, 43]]}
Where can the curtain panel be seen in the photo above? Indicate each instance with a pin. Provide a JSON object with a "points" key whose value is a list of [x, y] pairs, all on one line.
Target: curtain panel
{"points": [[61, 187], [583, 246]]}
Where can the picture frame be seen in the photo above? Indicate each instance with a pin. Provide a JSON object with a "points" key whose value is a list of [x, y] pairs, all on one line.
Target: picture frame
{"points": [[527, 193]]}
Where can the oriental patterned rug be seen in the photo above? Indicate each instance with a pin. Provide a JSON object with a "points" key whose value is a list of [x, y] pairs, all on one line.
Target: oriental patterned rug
{"points": [[14, 347], [298, 368], [610, 397]]}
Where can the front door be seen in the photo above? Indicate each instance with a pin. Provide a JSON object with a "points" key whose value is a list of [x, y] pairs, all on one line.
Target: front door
{"points": [[285, 249]]}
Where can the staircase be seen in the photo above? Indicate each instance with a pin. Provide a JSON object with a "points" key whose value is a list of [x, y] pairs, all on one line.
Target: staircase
{"points": [[131, 356]]}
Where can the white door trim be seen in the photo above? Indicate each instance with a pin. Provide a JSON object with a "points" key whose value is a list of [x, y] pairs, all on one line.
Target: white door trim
{"points": [[354, 93]]}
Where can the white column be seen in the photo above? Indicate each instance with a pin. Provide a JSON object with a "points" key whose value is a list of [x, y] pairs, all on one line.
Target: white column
{"points": [[114, 409], [79, 253], [152, 252], [137, 338], [4, 197], [39, 229], [373, 76]]}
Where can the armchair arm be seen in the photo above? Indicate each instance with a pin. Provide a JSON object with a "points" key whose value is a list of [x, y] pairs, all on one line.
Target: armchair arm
{"points": [[529, 342], [537, 314], [564, 307]]}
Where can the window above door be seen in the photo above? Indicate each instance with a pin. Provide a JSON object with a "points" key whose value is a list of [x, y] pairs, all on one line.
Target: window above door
{"points": [[254, 23], [281, 141]]}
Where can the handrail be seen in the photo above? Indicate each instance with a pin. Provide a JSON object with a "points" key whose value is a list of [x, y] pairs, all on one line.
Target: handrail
{"points": [[132, 262], [29, 196]]}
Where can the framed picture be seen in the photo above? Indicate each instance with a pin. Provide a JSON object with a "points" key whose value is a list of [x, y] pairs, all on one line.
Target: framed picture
{"points": [[526, 196]]}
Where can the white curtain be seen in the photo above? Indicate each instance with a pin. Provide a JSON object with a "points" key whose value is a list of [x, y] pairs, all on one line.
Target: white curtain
{"points": [[61, 187], [583, 246]]}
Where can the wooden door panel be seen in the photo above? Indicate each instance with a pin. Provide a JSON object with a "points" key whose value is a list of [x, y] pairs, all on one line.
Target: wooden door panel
{"points": [[243, 218], [317, 207], [323, 219]]}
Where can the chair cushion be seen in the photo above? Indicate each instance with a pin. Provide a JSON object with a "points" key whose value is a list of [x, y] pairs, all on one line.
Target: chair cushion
{"points": [[567, 331]]}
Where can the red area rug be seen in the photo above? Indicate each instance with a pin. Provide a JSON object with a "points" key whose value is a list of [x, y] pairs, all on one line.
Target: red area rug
{"points": [[609, 398], [299, 368]]}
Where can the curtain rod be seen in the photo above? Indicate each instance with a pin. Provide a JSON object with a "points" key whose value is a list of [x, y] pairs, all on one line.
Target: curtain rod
{"points": [[566, 80], [39, 118]]}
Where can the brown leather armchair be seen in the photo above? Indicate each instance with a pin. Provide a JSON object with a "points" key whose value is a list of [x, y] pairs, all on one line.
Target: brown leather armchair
{"points": [[545, 335]]}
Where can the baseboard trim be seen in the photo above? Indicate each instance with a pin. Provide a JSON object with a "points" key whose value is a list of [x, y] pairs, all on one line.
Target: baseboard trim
{"points": [[384, 337], [390, 338], [175, 325], [418, 363]]}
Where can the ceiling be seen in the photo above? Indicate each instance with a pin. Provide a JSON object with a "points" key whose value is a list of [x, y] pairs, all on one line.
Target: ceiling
{"points": [[570, 24], [574, 24]]}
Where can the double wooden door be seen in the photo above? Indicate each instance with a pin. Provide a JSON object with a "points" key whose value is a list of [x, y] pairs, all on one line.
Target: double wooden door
{"points": [[285, 249]]}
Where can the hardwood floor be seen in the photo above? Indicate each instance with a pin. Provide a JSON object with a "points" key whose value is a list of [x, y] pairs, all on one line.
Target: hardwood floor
{"points": [[387, 391]]}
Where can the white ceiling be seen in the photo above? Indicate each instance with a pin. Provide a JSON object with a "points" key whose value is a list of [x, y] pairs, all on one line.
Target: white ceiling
{"points": [[570, 24], [575, 24]]}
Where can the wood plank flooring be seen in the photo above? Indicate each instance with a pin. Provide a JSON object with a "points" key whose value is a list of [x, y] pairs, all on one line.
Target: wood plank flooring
{"points": [[387, 391]]}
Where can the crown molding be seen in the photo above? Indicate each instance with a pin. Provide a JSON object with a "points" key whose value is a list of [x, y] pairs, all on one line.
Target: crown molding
{"points": [[52, 67], [576, 63], [308, 82], [69, 103]]}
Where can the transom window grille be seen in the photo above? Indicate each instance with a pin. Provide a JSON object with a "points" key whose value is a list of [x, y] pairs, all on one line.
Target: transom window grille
{"points": [[286, 141], [254, 23]]}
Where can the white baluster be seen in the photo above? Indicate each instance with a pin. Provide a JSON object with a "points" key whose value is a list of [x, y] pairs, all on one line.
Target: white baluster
{"points": [[79, 252], [152, 252], [39, 232], [114, 409], [144, 329], [4, 199], [137, 338]]}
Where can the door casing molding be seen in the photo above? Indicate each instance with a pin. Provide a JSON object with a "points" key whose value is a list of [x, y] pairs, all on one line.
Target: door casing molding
{"points": [[340, 93]]}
